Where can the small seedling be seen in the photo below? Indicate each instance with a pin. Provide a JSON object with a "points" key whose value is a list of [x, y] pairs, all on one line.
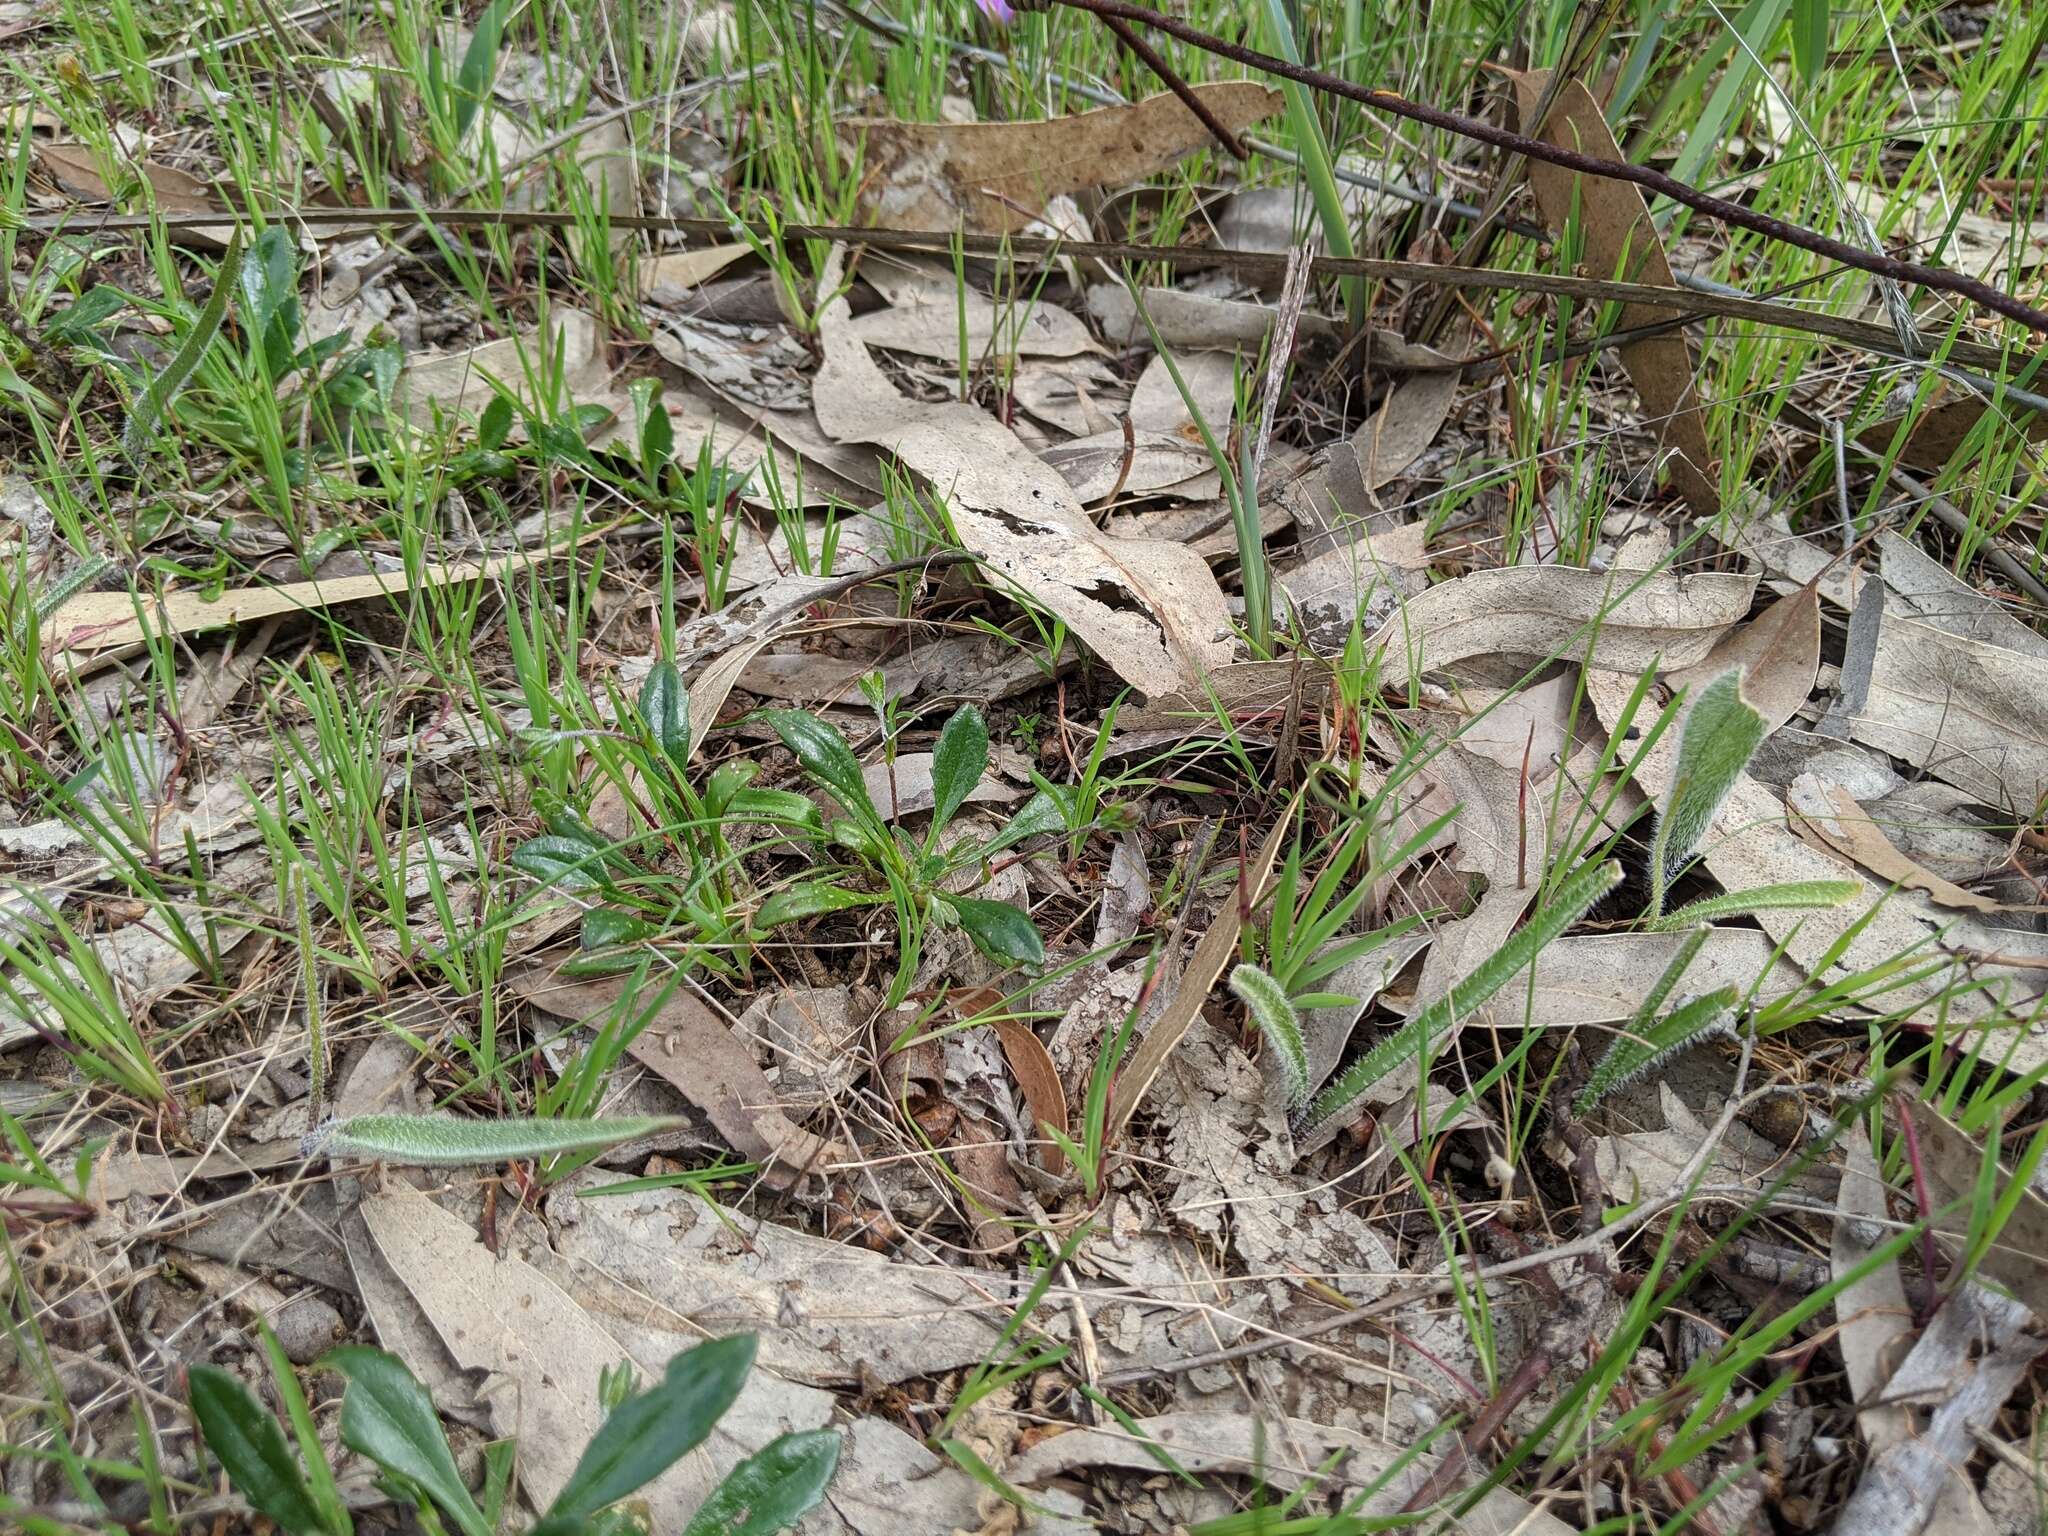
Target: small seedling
{"points": [[388, 1418]]}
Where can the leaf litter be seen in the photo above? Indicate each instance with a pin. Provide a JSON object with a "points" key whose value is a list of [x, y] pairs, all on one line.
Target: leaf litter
{"points": [[552, 863]]}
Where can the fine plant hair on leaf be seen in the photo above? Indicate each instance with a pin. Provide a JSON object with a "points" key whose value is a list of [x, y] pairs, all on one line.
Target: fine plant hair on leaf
{"points": [[1722, 733], [1278, 1023], [1577, 893], [445, 1141], [164, 387], [1638, 1051], [1792, 896]]}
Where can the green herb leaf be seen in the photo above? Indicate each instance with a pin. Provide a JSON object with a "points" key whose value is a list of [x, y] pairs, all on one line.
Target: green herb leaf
{"points": [[958, 762], [999, 930], [1791, 896], [811, 899], [1809, 38], [644, 1435], [823, 754], [387, 1416], [665, 711], [772, 1489], [142, 421], [479, 63], [1722, 733], [247, 1441], [552, 859], [495, 424]]}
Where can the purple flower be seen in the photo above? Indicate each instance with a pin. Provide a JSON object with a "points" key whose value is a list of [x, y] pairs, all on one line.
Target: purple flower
{"points": [[996, 10]]}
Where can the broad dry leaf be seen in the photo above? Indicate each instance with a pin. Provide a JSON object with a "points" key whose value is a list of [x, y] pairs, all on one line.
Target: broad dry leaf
{"points": [[1641, 620], [1937, 431], [932, 314], [829, 1314], [676, 272], [1040, 1079], [97, 623], [1972, 715], [1751, 844], [1777, 653], [1402, 429], [996, 177], [1191, 990], [1953, 1161], [1835, 817], [462, 383], [687, 1046], [1872, 1318], [1164, 447], [1287, 1453], [499, 1315], [1151, 610], [75, 168], [1197, 321], [1924, 589], [1622, 243]]}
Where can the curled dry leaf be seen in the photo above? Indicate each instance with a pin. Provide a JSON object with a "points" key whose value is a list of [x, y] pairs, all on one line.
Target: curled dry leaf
{"points": [[1642, 619], [997, 176], [687, 1046], [1833, 815], [1777, 652], [1150, 609], [1621, 242], [1040, 1080], [502, 1316]]}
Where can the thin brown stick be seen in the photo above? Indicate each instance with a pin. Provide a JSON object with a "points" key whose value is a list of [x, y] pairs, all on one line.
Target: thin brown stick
{"points": [[1189, 98], [1663, 185]]}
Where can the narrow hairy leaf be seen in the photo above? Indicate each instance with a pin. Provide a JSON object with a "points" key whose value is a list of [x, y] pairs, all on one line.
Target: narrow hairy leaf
{"points": [[1279, 1023], [443, 1141], [1792, 896], [247, 1441], [387, 1416], [645, 1435], [1722, 733], [1578, 892], [772, 1489], [958, 762], [1638, 1050], [142, 421]]}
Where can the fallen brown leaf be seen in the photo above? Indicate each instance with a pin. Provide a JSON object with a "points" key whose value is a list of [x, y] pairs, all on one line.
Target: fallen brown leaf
{"points": [[1151, 610], [1622, 243], [996, 176]]}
